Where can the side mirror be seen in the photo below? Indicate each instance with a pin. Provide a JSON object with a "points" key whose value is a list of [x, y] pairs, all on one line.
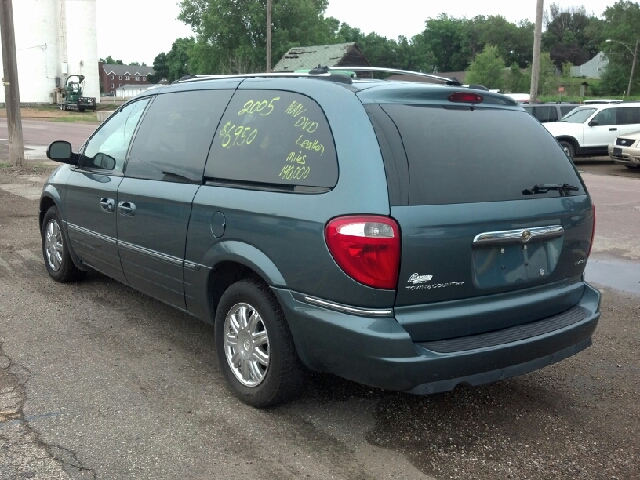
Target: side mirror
{"points": [[593, 123], [60, 151]]}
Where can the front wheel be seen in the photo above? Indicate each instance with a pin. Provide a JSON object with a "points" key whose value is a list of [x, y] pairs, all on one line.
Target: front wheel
{"points": [[568, 149], [57, 258], [255, 348]]}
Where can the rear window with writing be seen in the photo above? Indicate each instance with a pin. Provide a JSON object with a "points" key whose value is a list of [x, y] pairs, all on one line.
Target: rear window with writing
{"points": [[273, 137]]}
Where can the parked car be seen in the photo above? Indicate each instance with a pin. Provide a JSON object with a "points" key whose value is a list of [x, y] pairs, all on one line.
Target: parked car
{"points": [[594, 101], [588, 130], [519, 97], [407, 236], [550, 112], [626, 150]]}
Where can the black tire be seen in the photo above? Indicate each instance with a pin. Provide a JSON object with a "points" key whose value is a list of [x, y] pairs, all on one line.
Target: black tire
{"points": [[632, 167], [568, 148], [55, 252], [284, 376]]}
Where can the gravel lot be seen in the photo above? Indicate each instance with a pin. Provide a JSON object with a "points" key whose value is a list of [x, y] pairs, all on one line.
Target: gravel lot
{"points": [[99, 381]]}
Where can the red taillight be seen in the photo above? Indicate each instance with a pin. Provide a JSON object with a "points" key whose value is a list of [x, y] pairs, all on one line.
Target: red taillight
{"points": [[465, 97], [367, 248], [593, 228]]}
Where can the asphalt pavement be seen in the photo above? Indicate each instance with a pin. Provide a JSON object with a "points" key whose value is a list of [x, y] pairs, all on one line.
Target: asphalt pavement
{"points": [[100, 381]]}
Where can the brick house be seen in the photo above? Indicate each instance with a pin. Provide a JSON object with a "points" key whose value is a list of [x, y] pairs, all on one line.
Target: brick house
{"points": [[113, 76]]}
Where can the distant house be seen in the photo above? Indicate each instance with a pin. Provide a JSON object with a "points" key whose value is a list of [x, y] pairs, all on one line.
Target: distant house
{"points": [[129, 91], [113, 76], [594, 68], [306, 58]]}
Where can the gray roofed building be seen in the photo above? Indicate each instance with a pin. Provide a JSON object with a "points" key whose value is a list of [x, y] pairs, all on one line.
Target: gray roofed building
{"points": [[115, 69], [594, 68], [306, 58], [113, 76]]}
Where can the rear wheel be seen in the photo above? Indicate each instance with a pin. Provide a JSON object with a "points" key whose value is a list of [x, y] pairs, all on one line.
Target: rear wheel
{"points": [[255, 348], [568, 148], [56, 255]]}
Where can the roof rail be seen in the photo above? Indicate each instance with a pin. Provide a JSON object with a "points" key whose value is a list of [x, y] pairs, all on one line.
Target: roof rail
{"points": [[323, 72], [323, 75], [448, 81]]}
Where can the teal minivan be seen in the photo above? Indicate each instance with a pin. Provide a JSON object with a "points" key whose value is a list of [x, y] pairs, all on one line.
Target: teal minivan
{"points": [[406, 236]]}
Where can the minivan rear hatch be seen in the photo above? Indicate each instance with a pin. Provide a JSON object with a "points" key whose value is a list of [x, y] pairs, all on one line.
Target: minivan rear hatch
{"points": [[489, 208]]}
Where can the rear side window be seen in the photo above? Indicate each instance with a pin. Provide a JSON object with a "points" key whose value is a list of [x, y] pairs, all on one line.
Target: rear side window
{"points": [[271, 137], [628, 115], [175, 135], [546, 113], [463, 155]]}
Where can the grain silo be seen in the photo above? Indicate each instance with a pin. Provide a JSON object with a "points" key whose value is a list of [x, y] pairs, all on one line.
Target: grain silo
{"points": [[54, 39]]}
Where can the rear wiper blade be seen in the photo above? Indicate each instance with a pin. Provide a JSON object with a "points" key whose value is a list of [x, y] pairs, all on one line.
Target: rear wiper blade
{"points": [[545, 187]]}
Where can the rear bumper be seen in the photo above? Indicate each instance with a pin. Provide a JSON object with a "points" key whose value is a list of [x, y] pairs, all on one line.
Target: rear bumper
{"points": [[380, 353]]}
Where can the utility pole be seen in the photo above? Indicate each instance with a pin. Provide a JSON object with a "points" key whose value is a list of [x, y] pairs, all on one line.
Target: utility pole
{"points": [[633, 67], [268, 36], [535, 68], [10, 81]]}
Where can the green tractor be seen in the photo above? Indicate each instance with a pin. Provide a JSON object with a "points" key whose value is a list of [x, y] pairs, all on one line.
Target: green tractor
{"points": [[72, 98]]}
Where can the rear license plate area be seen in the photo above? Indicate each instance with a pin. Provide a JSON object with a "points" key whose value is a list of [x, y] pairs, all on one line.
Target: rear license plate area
{"points": [[516, 263]]}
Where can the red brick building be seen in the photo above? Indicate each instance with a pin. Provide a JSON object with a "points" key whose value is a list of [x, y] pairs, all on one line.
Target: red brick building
{"points": [[113, 76]]}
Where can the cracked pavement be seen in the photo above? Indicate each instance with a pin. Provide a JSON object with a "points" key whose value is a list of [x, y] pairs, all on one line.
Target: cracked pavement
{"points": [[24, 455]]}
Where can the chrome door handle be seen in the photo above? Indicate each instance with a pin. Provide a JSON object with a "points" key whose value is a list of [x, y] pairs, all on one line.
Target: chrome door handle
{"points": [[127, 209], [108, 204]]}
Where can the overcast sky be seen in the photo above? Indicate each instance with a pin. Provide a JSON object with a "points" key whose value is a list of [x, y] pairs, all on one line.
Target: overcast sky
{"points": [[151, 27]]}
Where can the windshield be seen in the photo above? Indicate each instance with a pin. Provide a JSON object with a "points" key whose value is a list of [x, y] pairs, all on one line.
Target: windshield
{"points": [[579, 115]]}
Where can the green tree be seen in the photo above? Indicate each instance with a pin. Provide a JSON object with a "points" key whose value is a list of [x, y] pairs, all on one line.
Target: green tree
{"points": [[571, 35], [174, 64], [231, 34], [111, 61], [615, 80], [548, 81], [621, 24], [514, 42], [517, 81], [160, 68], [487, 69], [443, 39]]}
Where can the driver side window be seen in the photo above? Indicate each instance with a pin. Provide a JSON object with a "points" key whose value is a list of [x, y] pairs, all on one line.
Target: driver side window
{"points": [[107, 149]]}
